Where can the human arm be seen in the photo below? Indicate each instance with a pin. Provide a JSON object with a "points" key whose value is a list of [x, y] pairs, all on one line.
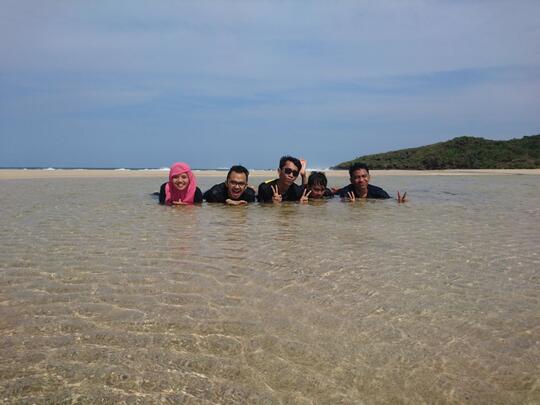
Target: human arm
{"points": [[229, 201], [198, 198], [303, 172], [216, 194], [249, 195], [162, 194], [264, 193]]}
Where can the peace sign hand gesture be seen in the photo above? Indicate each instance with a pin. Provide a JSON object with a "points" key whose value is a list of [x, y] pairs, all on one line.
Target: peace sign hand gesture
{"points": [[305, 196], [276, 197], [350, 196], [402, 198]]}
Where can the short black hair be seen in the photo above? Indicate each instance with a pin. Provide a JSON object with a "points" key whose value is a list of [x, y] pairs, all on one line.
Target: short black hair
{"points": [[287, 158], [238, 169], [317, 179], [358, 166]]}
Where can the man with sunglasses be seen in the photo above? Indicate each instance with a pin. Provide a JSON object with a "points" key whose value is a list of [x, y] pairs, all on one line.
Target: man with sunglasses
{"points": [[234, 191], [284, 188]]}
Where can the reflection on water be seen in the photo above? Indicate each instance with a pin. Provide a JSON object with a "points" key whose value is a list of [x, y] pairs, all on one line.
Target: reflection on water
{"points": [[108, 297]]}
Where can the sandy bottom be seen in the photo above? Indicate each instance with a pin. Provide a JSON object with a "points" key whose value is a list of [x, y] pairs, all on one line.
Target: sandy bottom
{"points": [[106, 297]]}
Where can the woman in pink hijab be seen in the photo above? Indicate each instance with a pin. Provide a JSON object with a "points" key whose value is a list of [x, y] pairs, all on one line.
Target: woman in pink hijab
{"points": [[181, 188]]}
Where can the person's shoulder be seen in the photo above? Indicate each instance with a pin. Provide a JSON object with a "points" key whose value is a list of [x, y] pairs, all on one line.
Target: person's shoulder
{"points": [[265, 190], [217, 187], [266, 186], [248, 195], [198, 198], [268, 183], [215, 193], [377, 192], [298, 189]]}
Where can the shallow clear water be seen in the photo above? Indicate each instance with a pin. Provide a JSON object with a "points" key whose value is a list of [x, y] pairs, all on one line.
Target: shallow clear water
{"points": [[105, 296]]}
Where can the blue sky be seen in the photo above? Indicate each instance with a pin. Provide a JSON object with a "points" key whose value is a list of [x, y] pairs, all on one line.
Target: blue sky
{"points": [[215, 83]]}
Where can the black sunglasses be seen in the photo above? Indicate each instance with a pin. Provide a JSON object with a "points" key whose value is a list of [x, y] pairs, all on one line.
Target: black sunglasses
{"points": [[288, 170]]}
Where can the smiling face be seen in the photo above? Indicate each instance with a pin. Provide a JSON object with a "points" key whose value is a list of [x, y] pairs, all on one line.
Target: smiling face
{"points": [[181, 181], [288, 173], [360, 179], [236, 185]]}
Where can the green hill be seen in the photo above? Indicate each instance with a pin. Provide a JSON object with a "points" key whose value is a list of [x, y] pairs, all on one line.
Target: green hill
{"points": [[465, 152]]}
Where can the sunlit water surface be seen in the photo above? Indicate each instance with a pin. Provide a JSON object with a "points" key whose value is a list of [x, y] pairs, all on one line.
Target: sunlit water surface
{"points": [[107, 297]]}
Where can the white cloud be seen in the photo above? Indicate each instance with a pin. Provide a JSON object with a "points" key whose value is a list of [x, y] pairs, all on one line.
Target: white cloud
{"points": [[346, 65]]}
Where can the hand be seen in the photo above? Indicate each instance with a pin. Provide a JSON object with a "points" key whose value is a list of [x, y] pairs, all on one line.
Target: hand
{"points": [[276, 197], [335, 190], [235, 202], [179, 202], [350, 196], [305, 196], [402, 198]]}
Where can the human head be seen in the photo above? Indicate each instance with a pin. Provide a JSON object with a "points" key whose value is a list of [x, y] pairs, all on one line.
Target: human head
{"points": [[180, 176], [317, 183], [182, 184], [289, 168], [237, 181], [359, 175]]}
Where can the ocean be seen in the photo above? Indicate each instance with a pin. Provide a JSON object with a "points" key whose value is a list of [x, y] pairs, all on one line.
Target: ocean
{"points": [[108, 297]]}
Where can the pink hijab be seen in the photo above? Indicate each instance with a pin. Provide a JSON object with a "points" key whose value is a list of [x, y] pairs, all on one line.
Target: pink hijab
{"points": [[172, 193]]}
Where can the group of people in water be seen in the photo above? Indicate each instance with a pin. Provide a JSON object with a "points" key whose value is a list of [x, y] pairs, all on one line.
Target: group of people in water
{"points": [[181, 189]]}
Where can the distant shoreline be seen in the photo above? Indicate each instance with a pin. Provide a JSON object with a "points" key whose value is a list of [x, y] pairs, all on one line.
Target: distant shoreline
{"points": [[14, 174]]}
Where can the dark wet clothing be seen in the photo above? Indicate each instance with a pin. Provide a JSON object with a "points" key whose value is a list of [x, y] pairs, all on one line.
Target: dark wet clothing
{"points": [[373, 192], [293, 193], [218, 194], [196, 199]]}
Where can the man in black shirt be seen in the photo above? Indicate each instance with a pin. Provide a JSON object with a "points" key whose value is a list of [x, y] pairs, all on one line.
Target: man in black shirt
{"points": [[360, 187], [234, 191], [283, 188]]}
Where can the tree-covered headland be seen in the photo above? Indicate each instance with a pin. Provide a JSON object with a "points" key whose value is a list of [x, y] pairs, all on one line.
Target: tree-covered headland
{"points": [[465, 152]]}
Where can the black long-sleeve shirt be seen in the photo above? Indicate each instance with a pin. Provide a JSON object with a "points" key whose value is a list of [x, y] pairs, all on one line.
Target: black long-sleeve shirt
{"points": [[219, 194], [293, 193], [373, 192]]}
